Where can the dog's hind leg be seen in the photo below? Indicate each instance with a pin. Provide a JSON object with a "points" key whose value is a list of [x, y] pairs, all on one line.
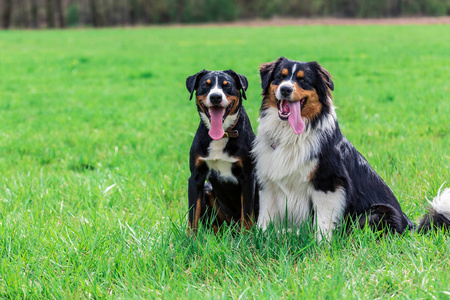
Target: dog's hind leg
{"points": [[385, 217], [216, 215], [247, 203], [246, 215], [195, 206], [195, 195]]}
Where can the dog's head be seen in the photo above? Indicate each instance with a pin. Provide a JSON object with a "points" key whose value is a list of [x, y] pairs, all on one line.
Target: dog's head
{"points": [[297, 89], [219, 98]]}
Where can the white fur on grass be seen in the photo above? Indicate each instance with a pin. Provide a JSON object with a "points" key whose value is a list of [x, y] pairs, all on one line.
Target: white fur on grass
{"points": [[441, 203]]}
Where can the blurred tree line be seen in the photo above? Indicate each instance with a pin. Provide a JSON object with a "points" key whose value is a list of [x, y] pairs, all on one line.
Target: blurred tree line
{"points": [[98, 13]]}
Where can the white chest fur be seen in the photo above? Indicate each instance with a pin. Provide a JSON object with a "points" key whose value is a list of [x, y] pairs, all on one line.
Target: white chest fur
{"points": [[283, 156], [220, 161], [284, 164]]}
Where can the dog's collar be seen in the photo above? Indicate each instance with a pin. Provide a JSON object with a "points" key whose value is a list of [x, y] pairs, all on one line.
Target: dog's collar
{"points": [[230, 133]]}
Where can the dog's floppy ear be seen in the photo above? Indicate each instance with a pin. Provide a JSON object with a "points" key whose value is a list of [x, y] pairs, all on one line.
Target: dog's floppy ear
{"points": [[266, 73], [325, 76], [192, 82], [241, 81]]}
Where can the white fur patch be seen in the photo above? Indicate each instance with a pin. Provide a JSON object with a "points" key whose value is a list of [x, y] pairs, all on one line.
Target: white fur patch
{"points": [[441, 203], [294, 67], [229, 120], [220, 161], [328, 208], [216, 90], [285, 83], [279, 198], [205, 120], [284, 161], [292, 152]]}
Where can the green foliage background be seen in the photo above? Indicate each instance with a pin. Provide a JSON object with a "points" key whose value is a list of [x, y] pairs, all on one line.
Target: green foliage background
{"points": [[107, 13]]}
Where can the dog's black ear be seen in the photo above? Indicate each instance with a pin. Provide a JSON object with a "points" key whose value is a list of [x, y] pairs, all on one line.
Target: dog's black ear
{"points": [[325, 76], [192, 82], [266, 73], [241, 81]]}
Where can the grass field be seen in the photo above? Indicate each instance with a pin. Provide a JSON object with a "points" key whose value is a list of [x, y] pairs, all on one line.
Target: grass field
{"points": [[95, 131]]}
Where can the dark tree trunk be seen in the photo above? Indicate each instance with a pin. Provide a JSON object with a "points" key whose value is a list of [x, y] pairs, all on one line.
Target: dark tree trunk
{"points": [[123, 12], [7, 13], [107, 12], [94, 13], [19, 18], [24, 11], [85, 12], [146, 18], [60, 11], [115, 13], [132, 11], [180, 6], [397, 10], [34, 14], [50, 13]]}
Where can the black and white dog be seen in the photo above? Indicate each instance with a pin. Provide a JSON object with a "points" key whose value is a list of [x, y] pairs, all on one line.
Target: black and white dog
{"points": [[220, 152], [307, 168]]}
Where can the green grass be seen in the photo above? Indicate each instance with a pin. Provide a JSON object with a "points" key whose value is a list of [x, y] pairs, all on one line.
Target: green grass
{"points": [[95, 130]]}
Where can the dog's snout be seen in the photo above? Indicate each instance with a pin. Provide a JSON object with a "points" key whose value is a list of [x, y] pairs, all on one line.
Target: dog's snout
{"points": [[215, 98], [286, 90]]}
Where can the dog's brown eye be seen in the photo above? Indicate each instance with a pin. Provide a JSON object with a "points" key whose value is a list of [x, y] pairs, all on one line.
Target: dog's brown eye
{"points": [[207, 84], [280, 77]]}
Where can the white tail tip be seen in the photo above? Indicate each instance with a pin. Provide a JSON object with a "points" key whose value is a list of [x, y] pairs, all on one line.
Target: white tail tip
{"points": [[441, 203]]}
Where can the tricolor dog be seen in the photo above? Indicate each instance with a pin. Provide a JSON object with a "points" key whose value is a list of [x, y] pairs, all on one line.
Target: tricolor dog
{"points": [[307, 169], [222, 185]]}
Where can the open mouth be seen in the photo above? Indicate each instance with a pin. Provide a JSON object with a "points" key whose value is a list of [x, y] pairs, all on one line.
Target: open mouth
{"points": [[228, 109], [216, 115], [284, 110], [207, 110], [204, 109]]}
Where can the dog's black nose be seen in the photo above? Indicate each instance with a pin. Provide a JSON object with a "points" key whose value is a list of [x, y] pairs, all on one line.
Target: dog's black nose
{"points": [[215, 98], [286, 90]]}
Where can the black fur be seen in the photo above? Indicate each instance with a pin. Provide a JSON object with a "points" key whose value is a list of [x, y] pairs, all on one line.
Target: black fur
{"points": [[432, 221], [226, 193], [192, 82], [340, 164]]}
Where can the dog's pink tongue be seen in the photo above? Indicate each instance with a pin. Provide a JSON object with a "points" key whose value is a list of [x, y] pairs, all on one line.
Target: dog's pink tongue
{"points": [[295, 118], [216, 131]]}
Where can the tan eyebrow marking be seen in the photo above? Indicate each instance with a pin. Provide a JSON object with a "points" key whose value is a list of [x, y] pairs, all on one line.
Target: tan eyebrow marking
{"points": [[225, 82], [284, 72], [208, 81], [300, 74]]}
